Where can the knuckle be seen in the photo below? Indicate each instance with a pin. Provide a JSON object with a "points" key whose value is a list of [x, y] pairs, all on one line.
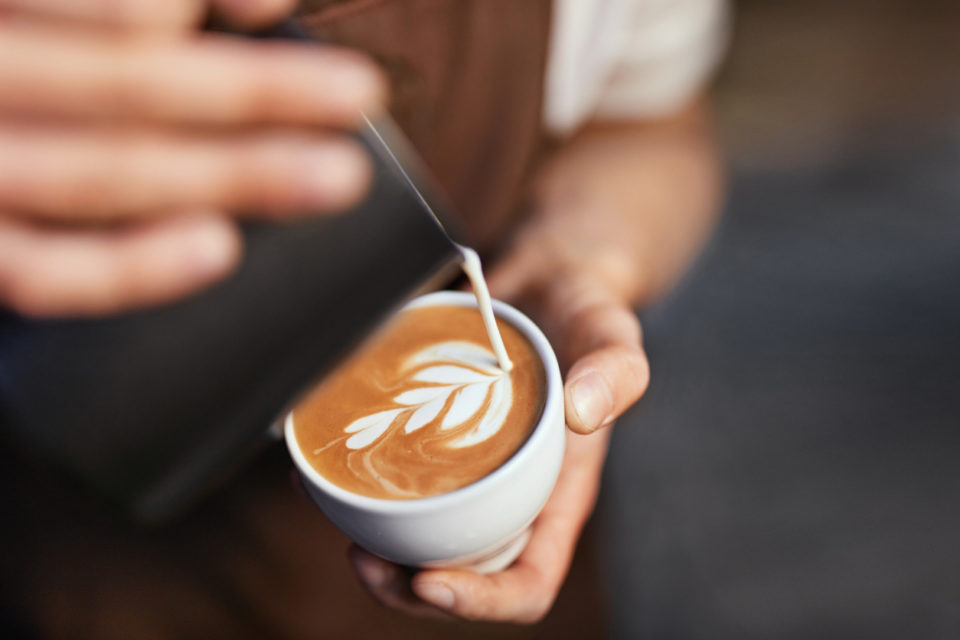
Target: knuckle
{"points": [[296, 175], [256, 176], [257, 97], [119, 93], [622, 325], [270, 87], [605, 325], [537, 609], [473, 606], [476, 603]]}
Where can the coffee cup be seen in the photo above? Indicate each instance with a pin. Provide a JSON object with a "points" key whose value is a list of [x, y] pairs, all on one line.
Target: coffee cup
{"points": [[482, 526]]}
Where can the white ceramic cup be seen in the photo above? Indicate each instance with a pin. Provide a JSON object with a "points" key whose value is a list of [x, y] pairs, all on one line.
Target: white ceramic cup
{"points": [[483, 526]]}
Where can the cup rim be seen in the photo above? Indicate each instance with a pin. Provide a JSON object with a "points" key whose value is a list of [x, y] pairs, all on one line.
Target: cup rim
{"points": [[541, 432]]}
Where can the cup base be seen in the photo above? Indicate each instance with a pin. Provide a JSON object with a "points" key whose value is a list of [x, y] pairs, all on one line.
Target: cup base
{"points": [[482, 527], [496, 560], [503, 558]]}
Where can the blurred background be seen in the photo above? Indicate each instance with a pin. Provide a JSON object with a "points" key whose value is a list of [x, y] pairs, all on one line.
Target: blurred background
{"points": [[793, 471]]}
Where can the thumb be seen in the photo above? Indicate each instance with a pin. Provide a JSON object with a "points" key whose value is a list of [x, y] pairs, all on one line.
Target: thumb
{"points": [[604, 384], [601, 337], [593, 329]]}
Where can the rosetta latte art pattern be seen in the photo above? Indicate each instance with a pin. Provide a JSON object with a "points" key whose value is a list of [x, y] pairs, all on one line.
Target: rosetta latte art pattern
{"points": [[424, 408], [458, 383]]}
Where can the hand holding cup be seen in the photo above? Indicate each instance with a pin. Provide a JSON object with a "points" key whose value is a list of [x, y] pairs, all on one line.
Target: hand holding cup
{"points": [[385, 481]]}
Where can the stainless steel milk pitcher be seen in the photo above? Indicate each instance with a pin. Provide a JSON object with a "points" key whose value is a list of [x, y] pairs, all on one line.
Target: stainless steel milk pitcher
{"points": [[150, 407]]}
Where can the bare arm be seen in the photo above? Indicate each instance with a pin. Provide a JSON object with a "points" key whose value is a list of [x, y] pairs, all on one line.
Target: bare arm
{"points": [[632, 201]]}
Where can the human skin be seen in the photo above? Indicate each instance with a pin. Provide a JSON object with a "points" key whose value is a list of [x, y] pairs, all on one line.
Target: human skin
{"points": [[129, 141], [620, 210]]}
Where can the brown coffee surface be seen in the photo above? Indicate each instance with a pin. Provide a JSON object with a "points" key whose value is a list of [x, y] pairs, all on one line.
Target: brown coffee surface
{"points": [[387, 424]]}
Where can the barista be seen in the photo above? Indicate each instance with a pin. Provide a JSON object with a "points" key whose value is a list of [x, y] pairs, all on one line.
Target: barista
{"points": [[129, 142]]}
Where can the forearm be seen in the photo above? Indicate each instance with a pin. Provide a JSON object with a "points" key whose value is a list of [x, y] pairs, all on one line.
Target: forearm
{"points": [[638, 198]]}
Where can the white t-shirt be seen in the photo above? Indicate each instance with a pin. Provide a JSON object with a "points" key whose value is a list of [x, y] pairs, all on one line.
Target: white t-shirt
{"points": [[619, 59]]}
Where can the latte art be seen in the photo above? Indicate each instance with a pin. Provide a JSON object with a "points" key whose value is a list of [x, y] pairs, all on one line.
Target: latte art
{"points": [[460, 384], [424, 409]]}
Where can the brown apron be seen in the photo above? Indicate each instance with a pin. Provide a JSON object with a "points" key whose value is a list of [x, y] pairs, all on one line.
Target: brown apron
{"points": [[257, 560], [467, 80]]}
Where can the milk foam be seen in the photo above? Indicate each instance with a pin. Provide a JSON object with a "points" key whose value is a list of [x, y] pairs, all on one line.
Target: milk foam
{"points": [[454, 381], [424, 408], [471, 266], [461, 379]]}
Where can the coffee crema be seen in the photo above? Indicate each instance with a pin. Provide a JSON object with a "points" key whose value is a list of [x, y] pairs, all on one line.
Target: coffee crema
{"points": [[424, 408]]}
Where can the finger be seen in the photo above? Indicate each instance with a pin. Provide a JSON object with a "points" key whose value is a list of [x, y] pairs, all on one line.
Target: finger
{"points": [[525, 592], [389, 584], [46, 272], [604, 385], [594, 332], [610, 371], [597, 335], [253, 13], [67, 173], [211, 79], [139, 15]]}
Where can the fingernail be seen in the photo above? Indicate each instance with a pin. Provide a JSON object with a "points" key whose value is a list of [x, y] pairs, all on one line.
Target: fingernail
{"points": [[592, 401], [436, 593]]}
